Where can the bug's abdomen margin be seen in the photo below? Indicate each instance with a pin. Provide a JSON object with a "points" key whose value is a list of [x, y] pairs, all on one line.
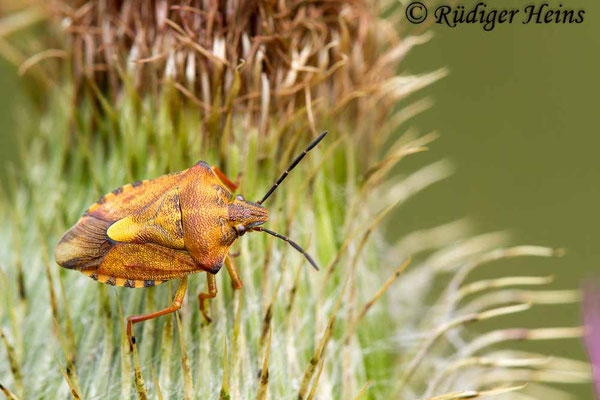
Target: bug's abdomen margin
{"points": [[145, 263]]}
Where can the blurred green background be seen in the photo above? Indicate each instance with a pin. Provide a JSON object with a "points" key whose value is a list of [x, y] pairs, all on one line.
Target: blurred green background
{"points": [[518, 117], [11, 94]]}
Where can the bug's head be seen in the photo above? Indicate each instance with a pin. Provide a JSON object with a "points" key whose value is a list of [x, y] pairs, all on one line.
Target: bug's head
{"points": [[245, 215]]}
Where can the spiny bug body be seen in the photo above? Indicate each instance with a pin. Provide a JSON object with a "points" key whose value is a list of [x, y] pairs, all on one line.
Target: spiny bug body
{"points": [[149, 232]]}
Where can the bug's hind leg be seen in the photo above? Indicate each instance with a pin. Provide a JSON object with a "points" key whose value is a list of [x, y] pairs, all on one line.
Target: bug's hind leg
{"points": [[177, 300], [211, 284], [226, 181], [233, 273]]}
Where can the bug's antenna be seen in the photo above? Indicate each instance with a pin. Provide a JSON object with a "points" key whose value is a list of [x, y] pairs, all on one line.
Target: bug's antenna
{"points": [[293, 244], [293, 165]]}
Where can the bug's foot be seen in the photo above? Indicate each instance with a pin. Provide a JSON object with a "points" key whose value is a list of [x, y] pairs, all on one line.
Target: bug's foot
{"points": [[207, 319], [204, 297], [234, 254], [130, 334], [131, 343]]}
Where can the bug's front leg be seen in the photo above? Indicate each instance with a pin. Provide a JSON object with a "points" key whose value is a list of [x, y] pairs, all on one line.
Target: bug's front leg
{"points": [[177, 301], [231, 185], [233, 273], [211, 284]]}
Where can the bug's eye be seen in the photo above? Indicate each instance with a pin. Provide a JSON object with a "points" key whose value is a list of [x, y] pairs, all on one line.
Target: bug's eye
{"points": [[240, 229], [240, 197]]}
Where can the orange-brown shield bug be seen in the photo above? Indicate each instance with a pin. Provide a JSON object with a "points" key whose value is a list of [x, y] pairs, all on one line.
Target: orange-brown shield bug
{"points": [[148, 232]]}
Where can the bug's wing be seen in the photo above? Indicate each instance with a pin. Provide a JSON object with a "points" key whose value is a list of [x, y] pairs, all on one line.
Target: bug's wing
{"points": [[158, 222], [131, 198], [84, 245]]}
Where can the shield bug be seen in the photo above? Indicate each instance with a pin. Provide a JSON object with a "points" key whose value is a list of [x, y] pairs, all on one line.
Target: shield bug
{"points": [[148, 232]]}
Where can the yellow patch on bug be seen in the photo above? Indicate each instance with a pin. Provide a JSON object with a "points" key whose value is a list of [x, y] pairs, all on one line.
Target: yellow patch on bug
{"points": [[159, 222]]}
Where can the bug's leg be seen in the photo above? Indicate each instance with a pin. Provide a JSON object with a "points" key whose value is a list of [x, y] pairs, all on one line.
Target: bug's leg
{"points": [[177, 300], [231, 185], [233, 273], [211, 284]]}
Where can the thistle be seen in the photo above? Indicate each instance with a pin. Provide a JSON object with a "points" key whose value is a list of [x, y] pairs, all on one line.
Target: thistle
{"points": [[133, 90]]}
